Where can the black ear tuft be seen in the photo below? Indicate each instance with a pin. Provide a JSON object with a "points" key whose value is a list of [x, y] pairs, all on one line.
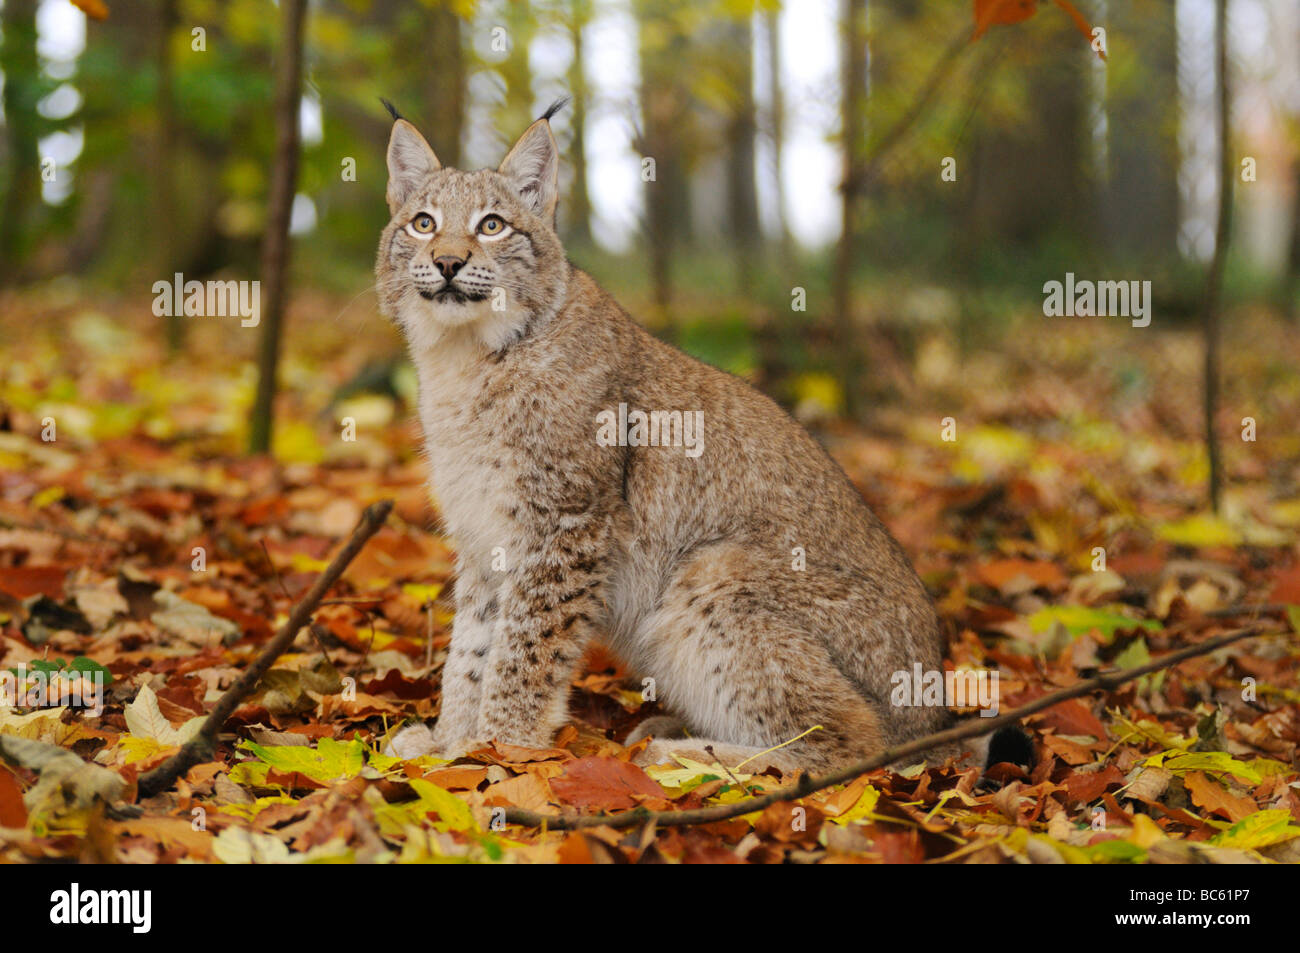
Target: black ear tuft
{"points": [[1010, 743], [555, 107], [392, 110]]}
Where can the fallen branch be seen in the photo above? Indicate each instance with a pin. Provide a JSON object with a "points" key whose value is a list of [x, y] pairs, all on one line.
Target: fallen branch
{"points": [[203, 745], [807, 784]]}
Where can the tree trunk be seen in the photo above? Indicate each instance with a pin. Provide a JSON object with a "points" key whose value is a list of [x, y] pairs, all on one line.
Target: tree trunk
{"points": [[742, 127], [517, 112], [1291, 279], [776, 124], [275, 243], [663, 97], [853, 97], [164, 165], [22, 158], [579, 211], [1028, 183], [447, 85], [1214, 281], [1141, 209]]}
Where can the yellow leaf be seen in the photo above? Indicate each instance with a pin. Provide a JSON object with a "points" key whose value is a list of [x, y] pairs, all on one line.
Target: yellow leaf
{"points": [[422, 593], [863, 807], [1261, 829], [45, 497], [1203, 529], [138, 749], [1211, 762], [1144, 832]]}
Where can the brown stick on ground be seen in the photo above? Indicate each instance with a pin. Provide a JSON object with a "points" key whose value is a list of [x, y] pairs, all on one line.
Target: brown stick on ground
{"points": [[806, 784], [202, 746]]}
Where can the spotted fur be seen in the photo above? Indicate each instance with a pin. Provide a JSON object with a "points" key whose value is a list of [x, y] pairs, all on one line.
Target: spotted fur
{"points": [[682, 566]]}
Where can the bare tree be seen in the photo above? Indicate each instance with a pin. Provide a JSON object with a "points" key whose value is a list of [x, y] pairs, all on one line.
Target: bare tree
{"points": [[1291, 278], [663, 142], [1141, 208], [23, 165], [853, 98], [164, 164], [445, 58], [275, 243], [1214, 281], [579, 204], [776, 124], [742, 127]]}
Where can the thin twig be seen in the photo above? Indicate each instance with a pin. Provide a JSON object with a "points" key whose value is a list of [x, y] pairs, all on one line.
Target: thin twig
{"points": [[1257, 609], [203, 745], [807, 784], [735, 780]]}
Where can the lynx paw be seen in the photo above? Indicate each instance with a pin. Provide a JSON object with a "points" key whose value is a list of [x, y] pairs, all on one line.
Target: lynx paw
{"points": [[416, 740], [411, 742]]}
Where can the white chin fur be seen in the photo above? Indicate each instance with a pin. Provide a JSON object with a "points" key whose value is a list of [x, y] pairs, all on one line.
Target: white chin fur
{"points": [[427, 323]]}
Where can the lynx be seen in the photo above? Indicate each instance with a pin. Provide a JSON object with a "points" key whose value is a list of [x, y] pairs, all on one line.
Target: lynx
{"points": [[569, 529]]}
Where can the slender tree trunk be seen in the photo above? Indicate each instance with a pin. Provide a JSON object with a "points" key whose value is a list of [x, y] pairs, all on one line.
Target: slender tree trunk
{"points": [[1214, 282], [1141, 209], [447, 85], [742, 127], [579, 211], [164, 163], [664, 53], [1291, 279], [1026, 182], [517, 112], [853, 96], [275, 243], [776, 121], [22, 170]]}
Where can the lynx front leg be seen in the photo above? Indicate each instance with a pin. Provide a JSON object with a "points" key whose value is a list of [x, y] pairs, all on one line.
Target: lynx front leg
{"points": [[462, 674], [549, 608], [477, 610]]}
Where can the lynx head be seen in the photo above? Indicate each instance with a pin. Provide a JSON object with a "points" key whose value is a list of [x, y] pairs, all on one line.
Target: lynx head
{"points": [[471, 250]]}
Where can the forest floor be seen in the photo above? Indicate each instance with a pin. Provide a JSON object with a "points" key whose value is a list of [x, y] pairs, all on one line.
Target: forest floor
{"points": [[1063, 531]]}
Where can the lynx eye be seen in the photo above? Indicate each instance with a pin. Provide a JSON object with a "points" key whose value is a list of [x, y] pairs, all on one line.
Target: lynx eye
{"points": [[423, 223], [492, 225]]}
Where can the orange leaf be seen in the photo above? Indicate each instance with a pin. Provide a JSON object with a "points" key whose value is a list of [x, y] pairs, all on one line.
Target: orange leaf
{"points": [[1002, 572], [1213, 797], [94, 9], [13, 813], [605, 783], [1004, 12], [991, 12], [1071, 752], [23, 581], [1080, 23]]}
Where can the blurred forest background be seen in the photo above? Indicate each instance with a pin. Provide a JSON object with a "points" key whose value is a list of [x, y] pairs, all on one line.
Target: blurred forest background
{"points": [[849, 197], [854, 204]]}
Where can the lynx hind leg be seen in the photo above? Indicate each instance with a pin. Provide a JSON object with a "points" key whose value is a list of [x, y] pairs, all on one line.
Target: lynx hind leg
{"points": [[746, 758], [658, 727], [729, 656]]}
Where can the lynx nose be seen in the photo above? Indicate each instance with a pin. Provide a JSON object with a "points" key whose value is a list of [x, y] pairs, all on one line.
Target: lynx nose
{"points": [[449, 265]]}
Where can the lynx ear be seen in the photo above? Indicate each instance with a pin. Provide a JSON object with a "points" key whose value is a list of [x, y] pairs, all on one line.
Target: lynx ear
{"points": [[533, 168], [410, 162]]}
